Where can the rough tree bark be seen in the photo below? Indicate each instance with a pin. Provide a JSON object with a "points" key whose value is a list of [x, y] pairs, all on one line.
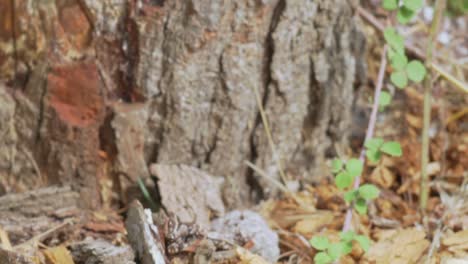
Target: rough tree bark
{"points": [[96, 89]]}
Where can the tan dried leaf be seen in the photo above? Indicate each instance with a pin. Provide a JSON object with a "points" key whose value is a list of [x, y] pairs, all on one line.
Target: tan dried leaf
{"points": [[456, 239], [414, 121], [382, 176], [58, 255], [247, 257], [311, 223], [405, 246]]}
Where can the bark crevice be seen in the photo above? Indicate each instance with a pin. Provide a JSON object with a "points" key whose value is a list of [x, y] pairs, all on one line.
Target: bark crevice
{"points": [[257, 190]]}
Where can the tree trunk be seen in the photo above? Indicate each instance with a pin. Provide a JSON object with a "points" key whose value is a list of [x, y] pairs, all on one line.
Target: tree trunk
{"points": [[99, 89]]}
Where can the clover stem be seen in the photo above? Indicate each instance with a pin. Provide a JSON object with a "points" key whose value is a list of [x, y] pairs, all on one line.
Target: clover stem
{"points": [[369, 133]]}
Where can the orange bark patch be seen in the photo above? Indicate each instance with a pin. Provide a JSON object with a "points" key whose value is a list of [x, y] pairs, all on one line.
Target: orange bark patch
{"points": [[74, 93], [75, 25], [6, 22]]}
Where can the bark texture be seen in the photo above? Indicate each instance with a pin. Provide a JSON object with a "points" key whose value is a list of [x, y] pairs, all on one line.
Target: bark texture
{"points": [[99, 89]]}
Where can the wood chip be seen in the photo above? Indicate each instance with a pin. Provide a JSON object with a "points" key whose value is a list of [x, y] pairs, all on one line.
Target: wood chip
{"points": [[144, 236], [189, 193], [102, 252], [29, 214], [402, 246]]}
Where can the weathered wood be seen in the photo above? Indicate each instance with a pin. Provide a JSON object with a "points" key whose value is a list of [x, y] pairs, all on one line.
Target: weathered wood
{"points": [[101, 252], [144, 236], [189, 193], [26, 215]]}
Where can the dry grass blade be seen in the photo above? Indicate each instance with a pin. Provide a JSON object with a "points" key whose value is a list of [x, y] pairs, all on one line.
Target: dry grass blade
{"points": [[268, 133], [265, 121], [260, 172], [447, 76], [45, 234], [278, 184]]}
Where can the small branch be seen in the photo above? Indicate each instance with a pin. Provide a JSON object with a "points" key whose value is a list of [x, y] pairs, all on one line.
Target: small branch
{"points": [[447, 76], [370, 130], [439, 8]]}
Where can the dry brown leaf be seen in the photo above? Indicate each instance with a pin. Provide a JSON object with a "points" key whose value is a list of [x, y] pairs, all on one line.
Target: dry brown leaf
{"points": [[311, 223], [247, 257], [382, 176], [414, 121], [285, 213], [4, 240], [450, 260], [58, 255], [459, 238], [404, 246]]}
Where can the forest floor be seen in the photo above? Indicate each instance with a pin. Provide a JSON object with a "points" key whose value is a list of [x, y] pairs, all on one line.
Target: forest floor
{"points": [[398, 230]]}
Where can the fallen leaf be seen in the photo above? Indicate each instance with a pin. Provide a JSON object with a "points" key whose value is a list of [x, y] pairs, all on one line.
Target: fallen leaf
{"points": [[382, 176], [4, 240], [311, 223], [247, 257], [404, 246], [58, 255], [414, 121], [459, 238]]}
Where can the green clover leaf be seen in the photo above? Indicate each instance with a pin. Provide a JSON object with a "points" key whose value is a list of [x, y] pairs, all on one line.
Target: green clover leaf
{"points": [[319, 242], [374, 143], [404, 15], [364, 242], [361, 206], [335, 251], [354, 167], [415, 71], [394, 40], [347, 236], [392, 148], [413, 5], [390, 4], [336, 165], [349, 196], [368, 191], [322, 258], [373, 155], [346, 247], [399, 79], [399, 61], [385, 99], [343, 180]]}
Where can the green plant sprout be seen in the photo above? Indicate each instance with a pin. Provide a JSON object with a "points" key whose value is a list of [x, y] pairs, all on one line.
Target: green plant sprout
{"points": [[406, 9], [360, 197], [384, 100], [403, 70], [345, 172], [330, 252], [375, 147]]}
